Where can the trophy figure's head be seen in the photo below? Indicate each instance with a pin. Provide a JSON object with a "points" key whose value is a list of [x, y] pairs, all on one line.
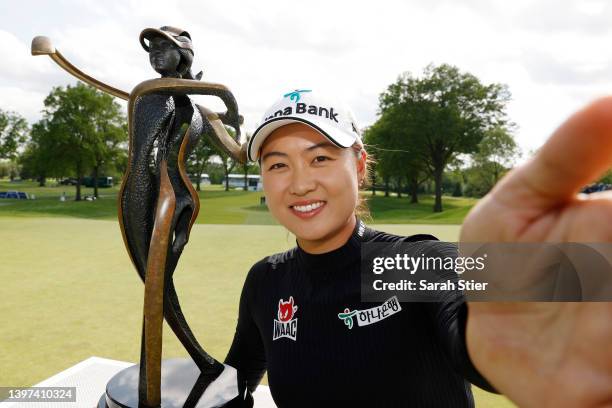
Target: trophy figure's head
{"points": [[170, 51]]}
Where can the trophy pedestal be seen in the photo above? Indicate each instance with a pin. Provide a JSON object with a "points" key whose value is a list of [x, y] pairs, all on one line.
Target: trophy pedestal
{"points": [[178, 378]]}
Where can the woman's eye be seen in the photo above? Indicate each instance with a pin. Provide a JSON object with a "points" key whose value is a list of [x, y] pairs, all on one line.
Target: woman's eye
{"points": [[321, 158], [276, 166]]}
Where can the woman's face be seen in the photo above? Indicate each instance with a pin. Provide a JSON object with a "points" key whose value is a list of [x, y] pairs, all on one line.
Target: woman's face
{"points": [[311, 185], [164, 56]]}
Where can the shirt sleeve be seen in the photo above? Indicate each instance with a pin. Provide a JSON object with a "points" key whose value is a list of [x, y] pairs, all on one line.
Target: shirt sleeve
{"points": [[247, 352], [449, 316]]}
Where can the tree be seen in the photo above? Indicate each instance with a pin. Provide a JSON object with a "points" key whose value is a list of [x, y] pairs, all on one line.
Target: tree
{"points": [[108, 144], [82, 128], [37, 160], [199, 157], [499, 150], [397, 154], [228, 165], [226, 161], [245, 168], [13, 133], [496, 154], [9, 168], [448, 112], [387, 159]]}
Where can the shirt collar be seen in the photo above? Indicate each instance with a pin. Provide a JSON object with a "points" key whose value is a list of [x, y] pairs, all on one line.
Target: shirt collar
{"points": [[335, 259]]}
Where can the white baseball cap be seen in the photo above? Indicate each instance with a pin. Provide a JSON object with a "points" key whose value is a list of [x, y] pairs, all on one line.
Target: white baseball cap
{"points": [[326, 115]]}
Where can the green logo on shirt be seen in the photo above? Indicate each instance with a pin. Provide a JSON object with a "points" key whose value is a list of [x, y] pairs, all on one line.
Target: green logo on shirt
{"points": [[372, 315], [347, 316]]}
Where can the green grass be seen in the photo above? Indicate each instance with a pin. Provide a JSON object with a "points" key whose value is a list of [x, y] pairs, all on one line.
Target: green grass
{"points": [[393, 210], [69, 291], [221, 207]]}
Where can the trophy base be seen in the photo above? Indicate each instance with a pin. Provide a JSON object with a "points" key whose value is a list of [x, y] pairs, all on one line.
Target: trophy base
{"points": [[178, 377]]}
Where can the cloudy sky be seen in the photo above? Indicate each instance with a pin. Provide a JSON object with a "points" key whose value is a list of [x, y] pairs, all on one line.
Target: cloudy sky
{"points": [[554, 55]]}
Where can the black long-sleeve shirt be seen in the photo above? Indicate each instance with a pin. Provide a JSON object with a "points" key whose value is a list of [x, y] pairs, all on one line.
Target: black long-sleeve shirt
{"points": [[289, 325]]}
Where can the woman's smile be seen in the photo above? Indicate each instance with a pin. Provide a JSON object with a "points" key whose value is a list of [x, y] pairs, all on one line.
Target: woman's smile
{"points": [[307, 208]]}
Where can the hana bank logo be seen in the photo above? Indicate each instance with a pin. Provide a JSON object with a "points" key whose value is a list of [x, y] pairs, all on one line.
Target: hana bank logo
{"points": [[296, 94]]}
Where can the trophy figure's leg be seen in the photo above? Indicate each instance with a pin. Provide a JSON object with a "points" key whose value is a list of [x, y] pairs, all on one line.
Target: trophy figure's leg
{"points": [[182, 143], [150, 388], [176, 320]]}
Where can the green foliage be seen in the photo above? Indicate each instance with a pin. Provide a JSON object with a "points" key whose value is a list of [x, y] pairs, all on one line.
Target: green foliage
{"points": [[496, 154], [247, 167], [39, 160], [446, 112], [215, 172], [398, 157], [9, 168], [13, 133], [198, 159], [227, 162], [82, 130]]}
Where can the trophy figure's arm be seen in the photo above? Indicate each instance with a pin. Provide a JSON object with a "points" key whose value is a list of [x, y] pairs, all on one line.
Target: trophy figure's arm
{"points": [[220, 136], [42, 46]]}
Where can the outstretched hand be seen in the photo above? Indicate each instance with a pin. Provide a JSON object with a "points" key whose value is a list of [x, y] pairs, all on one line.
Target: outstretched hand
{"points": [[548, 354]]}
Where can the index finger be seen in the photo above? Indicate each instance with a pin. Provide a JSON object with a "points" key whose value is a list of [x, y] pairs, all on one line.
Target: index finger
{"points": [[577, 153]]}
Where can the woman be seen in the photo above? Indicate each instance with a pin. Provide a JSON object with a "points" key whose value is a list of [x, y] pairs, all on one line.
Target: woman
{"points": [[295, 309]]}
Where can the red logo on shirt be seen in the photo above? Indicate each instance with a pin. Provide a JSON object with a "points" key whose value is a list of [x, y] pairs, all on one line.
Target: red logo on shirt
{"points": [[286, 309], [286, 325]]}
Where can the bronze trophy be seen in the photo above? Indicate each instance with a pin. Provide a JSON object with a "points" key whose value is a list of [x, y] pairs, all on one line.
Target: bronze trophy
{"points": [[157, 208]]}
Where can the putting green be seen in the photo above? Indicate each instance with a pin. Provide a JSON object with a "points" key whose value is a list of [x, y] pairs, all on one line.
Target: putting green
{"points": [[69, 291]]}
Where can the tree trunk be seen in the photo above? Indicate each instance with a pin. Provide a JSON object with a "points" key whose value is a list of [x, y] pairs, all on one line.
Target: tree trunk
{"points": [[438, 189], [199, 176], [246, 179], [42, 181], [95, 180], [414, 189], [387, 187], [226, 179], [414, 197], [78, 189], [78, 185], [399, 188]]}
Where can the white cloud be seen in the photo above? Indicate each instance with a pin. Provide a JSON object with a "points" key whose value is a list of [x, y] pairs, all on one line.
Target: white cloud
{"points": [[549, 53], [29, 104]]}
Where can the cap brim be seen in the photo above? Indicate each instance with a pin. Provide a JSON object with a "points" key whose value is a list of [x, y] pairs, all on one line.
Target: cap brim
{"points": [[149, 33], [335, 135]]}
